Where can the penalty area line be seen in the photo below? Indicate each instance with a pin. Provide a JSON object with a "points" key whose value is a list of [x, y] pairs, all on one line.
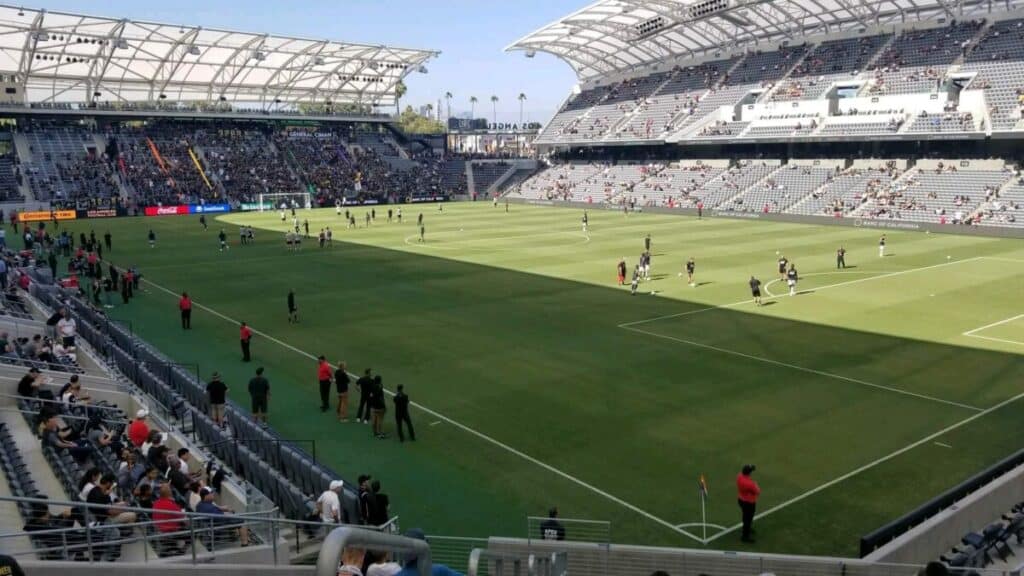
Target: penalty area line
{"points": [[465, 428]]}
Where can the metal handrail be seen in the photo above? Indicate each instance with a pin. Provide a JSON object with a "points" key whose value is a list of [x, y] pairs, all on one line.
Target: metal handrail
{"points": [[340, 538]]}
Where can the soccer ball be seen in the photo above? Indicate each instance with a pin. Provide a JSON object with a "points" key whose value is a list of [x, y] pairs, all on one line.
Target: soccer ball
{"points": [[680, 274]]}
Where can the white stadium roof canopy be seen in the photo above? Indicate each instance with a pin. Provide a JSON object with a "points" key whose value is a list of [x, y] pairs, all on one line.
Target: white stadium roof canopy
{"points": [[612, 36], [58, 56]]}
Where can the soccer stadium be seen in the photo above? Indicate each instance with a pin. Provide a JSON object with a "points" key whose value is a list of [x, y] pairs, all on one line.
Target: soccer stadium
{"points": [[749, 300]]}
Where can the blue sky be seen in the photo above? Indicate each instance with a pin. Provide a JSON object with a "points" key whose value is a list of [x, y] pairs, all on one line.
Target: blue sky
{"points": [[470, 34]]}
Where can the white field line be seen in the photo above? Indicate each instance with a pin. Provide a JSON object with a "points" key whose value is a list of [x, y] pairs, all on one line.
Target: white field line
{"points": [[993, 325], [826, 287], [1003, 340], [465, 428], [1004, 259], [805, 369], [943, 445], [870, 465], [802, 276]]}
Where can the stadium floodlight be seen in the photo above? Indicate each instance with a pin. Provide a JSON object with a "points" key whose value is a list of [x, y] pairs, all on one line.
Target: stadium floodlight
{"points": [[257, 55], [422, 69], [193, 50], [41, 36], [121, 44], [318, 61], [531, 53]]}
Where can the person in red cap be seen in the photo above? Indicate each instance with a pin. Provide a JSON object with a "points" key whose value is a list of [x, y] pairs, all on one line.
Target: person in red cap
{"points": [[185, 305], [245, 335], [748, 491]]}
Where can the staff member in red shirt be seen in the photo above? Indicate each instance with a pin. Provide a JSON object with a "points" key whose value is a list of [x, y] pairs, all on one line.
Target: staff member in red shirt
{"points": [[748, 491], [185, 305], [245, 335], [323, 374]]}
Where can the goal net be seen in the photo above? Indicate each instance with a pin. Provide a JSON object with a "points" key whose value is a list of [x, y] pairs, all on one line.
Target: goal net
{"points": [[285, 201]]}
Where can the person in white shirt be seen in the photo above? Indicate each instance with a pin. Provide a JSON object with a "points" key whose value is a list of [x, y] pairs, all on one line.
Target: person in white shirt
{"points": [[66, 328], [329, 503]]}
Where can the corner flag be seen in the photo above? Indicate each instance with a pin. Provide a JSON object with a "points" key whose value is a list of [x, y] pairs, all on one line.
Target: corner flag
{"points": [[702, 487]]}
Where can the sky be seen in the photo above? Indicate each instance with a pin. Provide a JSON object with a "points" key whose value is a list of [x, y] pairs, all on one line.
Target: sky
{"points": [[471, 35]]}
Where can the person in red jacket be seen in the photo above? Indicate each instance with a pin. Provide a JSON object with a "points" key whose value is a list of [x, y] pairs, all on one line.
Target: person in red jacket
{"points": [[138, 430], [245, 335], [185, 305], [748, 491], [324, 375]]}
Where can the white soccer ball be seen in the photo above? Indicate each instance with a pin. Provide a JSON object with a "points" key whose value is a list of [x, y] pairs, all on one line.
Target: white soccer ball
{"points": [[776, 252], [680, 274], [949, 257]]}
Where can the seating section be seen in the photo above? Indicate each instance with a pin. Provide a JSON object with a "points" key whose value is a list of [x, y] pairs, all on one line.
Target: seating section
{"points": [[783, 189], [675, 185], [917, 60], [245, 163], [159, 166], [845, 192], [827, 63], [998, 59], [487, 173], [870, 124], [65, 167], [946, 122], [731, 182], [944, 195], [10, 179], [720, 130], [990, 547], [1003, 208]]}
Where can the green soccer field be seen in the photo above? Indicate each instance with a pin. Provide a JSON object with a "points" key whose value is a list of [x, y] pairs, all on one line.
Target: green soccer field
{"points": [[540, 382]]}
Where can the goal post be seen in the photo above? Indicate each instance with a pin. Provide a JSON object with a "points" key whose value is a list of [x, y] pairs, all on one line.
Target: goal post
{"points": [[285, 201]]}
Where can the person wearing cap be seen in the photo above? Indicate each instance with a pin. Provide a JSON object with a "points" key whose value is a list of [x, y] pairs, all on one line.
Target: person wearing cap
{"points": [[208, 506], [217, 392], [410, 568], [748, 491], [329, 503], [245, 336], [138, 430]]}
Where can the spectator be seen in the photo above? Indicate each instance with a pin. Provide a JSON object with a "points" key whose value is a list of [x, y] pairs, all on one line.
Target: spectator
{"points": [[28, 386], [184, 457], [144, 496], [748, 491], [365, 386], [169, 519], [99, 435], [178, 480], [380, 564], [381, 506], [329, 503], [410, 566], [103, 494], [552, 529], [51, 437], [259, 392], [88, 481], [67, 329], [402, 418], [130, 471], [138, 430], [208, 506], [216, 392], [378, 407], [367, 501], [352, 561]]}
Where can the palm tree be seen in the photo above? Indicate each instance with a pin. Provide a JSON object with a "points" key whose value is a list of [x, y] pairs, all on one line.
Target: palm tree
{"points": [[430, 111], [472, 106], [494, 104], [448, 99], [400, 90], [522, 99]]}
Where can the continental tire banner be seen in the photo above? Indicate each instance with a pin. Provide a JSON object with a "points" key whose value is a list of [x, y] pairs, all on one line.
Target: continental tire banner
{"points": [[45, 215]]}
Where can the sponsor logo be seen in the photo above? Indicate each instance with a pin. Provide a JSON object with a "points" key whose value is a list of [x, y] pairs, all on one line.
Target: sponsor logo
{"points": [[101, 213], [165, 210], [43, 215], [208, 208]]}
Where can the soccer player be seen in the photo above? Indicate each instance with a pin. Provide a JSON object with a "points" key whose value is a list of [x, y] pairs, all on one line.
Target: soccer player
{"points": [[419, 219], [755, 290], [621, 269], [367, 219], [330, 237], [700, 210], [645, 259], [373, 213], [223, 240], [881, 246], [690, 266], [791, 278], [337, 207], [423, 232], [322, 238], [841, 257], [107, 238], [250, 234], [305, 225], [647, 243], [243, 235], [506, 205], [495, 203], [636, 281], [390, 211], [202, 220], [399, 215], [782, 267], [293, 312], [152, 238], [282, 213], [295, 224], [585, 221]]}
